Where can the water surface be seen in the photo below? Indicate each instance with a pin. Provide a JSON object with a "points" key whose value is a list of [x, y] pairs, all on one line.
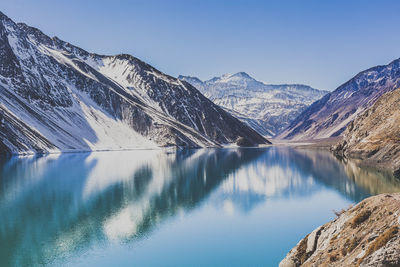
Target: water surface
{"points": [[207, 207]]}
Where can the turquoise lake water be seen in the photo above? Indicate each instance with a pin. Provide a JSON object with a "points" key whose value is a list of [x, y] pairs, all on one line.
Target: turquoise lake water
{"points": [[206, 207]]}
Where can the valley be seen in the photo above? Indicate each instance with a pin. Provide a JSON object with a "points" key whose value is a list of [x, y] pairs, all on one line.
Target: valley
{"points": [[106, 160]]}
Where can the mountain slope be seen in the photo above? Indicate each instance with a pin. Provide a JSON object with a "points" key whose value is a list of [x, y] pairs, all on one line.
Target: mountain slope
{"points": [[375, 134], [329, 116], [266, 108], [57, 97]]}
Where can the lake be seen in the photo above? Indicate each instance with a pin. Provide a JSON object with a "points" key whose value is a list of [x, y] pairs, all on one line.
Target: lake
{"points": [[205, 207]]}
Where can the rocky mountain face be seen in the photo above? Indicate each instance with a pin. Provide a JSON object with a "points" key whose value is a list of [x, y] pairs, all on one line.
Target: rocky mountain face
{"points": [[365, 235], [375, 134], [57, 97], [266, 108], [330, 115]]}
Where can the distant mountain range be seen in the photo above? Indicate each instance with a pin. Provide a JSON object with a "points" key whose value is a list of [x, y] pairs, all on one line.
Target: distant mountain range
{"points": [[58, 97], [266, 108], [329, 116]]}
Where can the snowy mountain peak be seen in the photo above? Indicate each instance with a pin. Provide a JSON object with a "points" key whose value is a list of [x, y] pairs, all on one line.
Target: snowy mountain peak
{"points": [[267, 108], [225, 76], [242, 75], [192, 78], [3, 16], [55, 97]]}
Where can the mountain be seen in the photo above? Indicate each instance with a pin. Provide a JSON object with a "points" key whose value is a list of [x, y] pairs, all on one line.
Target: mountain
{"points": [[266, 108], [330, 115], [375, 134], [58, 97]]}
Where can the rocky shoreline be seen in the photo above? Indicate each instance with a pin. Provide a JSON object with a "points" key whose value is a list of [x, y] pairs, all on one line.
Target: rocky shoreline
{"points": [[367, 234]]}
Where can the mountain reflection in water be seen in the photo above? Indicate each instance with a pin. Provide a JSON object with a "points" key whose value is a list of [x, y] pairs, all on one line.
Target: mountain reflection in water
{"points": [[55, 207]]}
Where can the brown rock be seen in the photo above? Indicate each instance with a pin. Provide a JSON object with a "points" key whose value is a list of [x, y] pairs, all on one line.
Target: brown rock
{"points": [[372, 241]]}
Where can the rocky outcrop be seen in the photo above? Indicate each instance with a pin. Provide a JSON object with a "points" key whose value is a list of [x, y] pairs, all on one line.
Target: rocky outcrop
{"points": [[365, 235], [374, 136], [329, 116]]}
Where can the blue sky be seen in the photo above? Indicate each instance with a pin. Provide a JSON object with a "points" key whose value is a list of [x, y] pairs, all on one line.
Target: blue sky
{"points": [[320, 43]]}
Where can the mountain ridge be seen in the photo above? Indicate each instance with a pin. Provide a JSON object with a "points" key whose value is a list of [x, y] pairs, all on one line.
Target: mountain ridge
{"points": [[81, 101], [330, 115], [268, 108]]}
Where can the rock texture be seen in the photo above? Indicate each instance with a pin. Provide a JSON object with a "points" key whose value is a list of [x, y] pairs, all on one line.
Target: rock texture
{"points": [[365, 235], [58, 97], [375, 134], [330, 115], [267, 108]]}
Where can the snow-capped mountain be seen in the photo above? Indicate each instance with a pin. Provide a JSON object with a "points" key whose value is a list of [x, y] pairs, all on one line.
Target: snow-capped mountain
{"points": [[57, 97], [330, 115], [266, 108]]}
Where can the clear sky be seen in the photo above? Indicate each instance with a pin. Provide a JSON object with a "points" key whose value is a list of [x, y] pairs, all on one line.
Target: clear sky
{"points": [[317, 42]]}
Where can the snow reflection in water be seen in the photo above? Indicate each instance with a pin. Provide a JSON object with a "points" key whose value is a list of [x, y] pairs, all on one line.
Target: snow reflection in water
{"points": [[63, 209]]}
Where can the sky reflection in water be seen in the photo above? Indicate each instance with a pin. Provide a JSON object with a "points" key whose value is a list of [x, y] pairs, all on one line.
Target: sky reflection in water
{"points": [[221, 207]]}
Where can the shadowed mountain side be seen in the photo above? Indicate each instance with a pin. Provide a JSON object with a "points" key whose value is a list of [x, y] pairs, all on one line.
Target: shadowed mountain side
{"points": [[329, 116]]}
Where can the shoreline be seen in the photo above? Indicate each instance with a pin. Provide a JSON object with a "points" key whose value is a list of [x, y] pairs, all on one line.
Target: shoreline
{"points": [[364, 235], [324, 143], [327, 143]]}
